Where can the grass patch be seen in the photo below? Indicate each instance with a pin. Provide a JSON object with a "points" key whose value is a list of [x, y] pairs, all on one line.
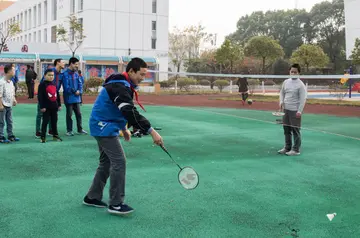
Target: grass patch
{"points": [[261, 98]]}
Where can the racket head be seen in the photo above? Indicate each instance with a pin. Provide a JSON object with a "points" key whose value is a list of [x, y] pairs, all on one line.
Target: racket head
{"points": [[278, 114], [188, 178]]}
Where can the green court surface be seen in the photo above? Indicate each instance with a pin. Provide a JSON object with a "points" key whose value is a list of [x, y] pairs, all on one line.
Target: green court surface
{"points": [[245, 190]]}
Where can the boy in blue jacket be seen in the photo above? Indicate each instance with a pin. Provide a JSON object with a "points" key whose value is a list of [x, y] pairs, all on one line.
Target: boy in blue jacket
{"points": [[114, 108], [73, 88]]}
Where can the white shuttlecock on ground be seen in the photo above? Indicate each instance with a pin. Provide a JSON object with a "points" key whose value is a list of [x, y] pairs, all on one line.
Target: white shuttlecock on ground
{"points": [[331, 216]]}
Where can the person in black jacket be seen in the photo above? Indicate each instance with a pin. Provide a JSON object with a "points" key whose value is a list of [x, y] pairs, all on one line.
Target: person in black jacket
{"points": [[243, 89], [30, 77], [50, 104], [112, 110]]}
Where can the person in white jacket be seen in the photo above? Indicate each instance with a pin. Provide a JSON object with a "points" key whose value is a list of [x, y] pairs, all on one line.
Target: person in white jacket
{"points": [[292, 101], [7, 101]]}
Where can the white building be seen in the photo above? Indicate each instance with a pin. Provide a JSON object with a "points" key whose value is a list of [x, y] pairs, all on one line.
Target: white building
{"points": [[112, 27], [352, 26]]}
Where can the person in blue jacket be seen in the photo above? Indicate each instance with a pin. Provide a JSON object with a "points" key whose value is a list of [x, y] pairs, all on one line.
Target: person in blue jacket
{"points": [[112, 109], [73, 88], [15, 79]]}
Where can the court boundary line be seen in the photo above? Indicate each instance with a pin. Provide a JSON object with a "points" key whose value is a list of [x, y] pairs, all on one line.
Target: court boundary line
{"points": [[258, 120]]}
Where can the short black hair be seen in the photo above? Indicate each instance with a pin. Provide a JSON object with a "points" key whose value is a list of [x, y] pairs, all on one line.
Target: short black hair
{"points": [[7, 68], [48, 71], [57, 61], [79, 71], [296, 66], [73, 60], [136, 64]]}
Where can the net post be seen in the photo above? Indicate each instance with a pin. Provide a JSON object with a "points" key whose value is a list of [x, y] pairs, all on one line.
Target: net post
{"points": [[263, 87], [175, 86], [231, 85]]}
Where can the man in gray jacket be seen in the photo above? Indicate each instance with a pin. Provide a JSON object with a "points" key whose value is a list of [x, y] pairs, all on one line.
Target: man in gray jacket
{"points": [[292, 100]]}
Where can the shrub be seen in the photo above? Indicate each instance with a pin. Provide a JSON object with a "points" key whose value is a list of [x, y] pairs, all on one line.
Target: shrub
{"points": [[221, 84], [92, 84]]}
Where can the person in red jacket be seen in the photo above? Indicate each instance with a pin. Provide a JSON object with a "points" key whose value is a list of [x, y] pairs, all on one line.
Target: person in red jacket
{"points": [[50, 104]]}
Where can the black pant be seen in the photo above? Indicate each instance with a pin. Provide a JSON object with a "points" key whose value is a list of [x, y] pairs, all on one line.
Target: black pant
{"points": [[51, 114], [30, 87], [292, 126], [69, 122], [244, 96]]}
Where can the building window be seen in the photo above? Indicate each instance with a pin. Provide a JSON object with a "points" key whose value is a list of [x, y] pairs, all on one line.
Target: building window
{"points": [[72, 6], [45, 12], [153, 44], [35, 16], [45, 35], [81, 5], [34, 36], [39, 14], [54, 10], [29, 37], [154, 5], [18, 19], [39, 36], [53, 34], [26, 21], [81, 22], [21, 21], [153, 35], [30, 19]]}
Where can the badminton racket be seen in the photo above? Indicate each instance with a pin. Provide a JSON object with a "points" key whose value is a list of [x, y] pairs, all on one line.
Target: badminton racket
{"points": [[187, 176]]}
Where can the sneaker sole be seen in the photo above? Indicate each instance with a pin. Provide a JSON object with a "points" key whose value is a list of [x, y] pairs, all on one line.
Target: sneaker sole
{"points": [[119, 213], [93, 205]]}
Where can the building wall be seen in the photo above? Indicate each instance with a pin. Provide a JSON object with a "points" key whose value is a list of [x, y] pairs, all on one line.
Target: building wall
{"points": [[352, 24], [111, 27]]}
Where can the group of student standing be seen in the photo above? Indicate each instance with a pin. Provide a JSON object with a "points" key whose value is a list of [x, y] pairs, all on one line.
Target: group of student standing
{"points": [[49, 101]]}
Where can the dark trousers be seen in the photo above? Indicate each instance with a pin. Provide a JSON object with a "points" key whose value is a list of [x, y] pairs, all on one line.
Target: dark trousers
{"points": [[244, 96], [292, 126], [52, 116], [69, 122], [112, 163], [30, 87]]}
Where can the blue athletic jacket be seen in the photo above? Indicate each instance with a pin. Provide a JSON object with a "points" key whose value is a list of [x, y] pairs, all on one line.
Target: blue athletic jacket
{"points": [[71, 84], [114, 107]]}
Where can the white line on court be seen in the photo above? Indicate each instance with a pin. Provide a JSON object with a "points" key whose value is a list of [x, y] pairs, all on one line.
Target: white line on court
{"points": [[258, 120]]}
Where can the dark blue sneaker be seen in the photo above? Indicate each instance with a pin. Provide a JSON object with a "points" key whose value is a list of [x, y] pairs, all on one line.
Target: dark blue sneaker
{"points": [[93, 202], [121, 209], [13, 138], [3, 140]]}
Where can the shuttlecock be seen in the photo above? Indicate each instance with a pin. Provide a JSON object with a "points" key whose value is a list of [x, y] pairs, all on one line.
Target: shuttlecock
{"points": [[331, 216]]}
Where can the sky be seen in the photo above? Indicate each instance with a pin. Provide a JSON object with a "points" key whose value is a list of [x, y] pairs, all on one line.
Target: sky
{"points": [[221, 16]]}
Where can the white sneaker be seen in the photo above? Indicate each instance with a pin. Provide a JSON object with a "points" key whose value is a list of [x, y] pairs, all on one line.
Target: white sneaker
{"points": [[283, 151], [292, 153]]}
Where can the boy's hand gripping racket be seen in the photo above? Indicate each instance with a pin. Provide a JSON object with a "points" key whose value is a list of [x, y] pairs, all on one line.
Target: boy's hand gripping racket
{"points": [[188, 178]]}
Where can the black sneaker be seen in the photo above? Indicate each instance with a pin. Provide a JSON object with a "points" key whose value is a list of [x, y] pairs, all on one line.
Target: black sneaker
{"points": [[43, 140], [57, 138], [4, 140], [93, 202], [13, 139], [121, 209]]}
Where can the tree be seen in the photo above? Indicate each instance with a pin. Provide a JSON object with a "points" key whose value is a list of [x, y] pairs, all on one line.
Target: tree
{"points": [[328, 19], [290, 27], [228, 54], [184, 44], [264, 48], [8, 33], [177, 47], [355, 53], [310, 56], [195, 36], [74, 37]]}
